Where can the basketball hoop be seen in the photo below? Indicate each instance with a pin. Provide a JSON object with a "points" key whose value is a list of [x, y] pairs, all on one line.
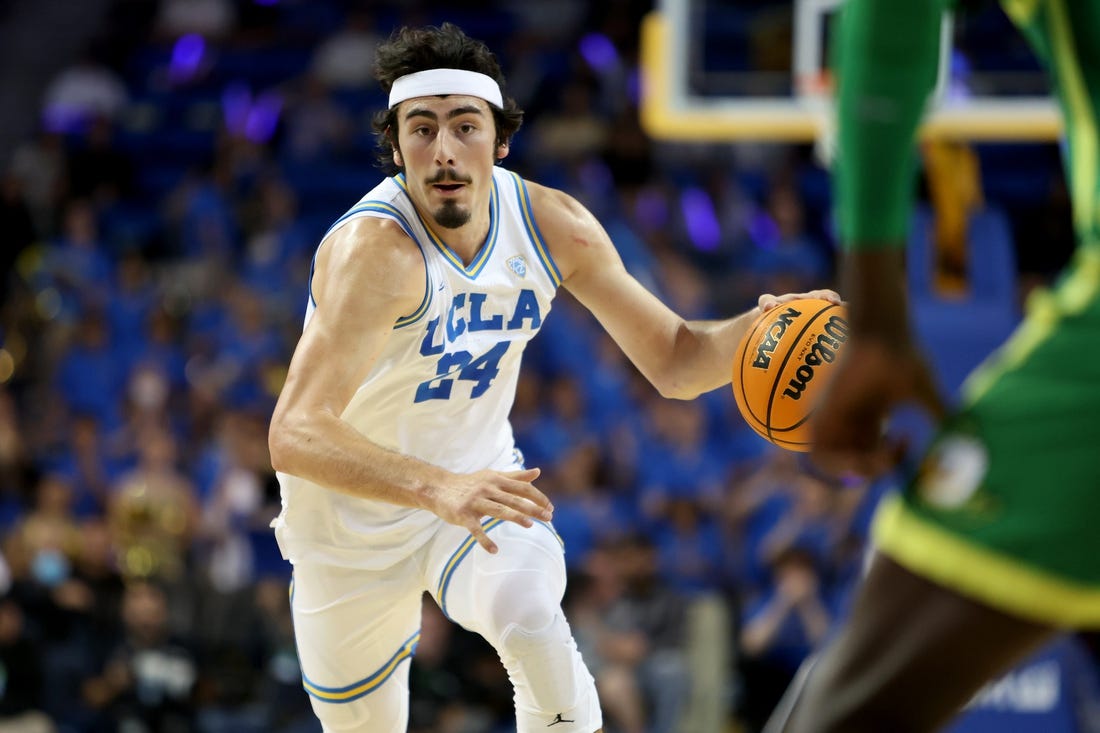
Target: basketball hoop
{"points": [[816, 83], [814, 92]]}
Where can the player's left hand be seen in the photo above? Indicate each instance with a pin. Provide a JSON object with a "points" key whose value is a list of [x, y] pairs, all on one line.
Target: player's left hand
{"points": [[767, 301]]}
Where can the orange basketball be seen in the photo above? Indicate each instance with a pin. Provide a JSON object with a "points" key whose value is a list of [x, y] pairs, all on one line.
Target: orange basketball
{"points": [[782, 365]]}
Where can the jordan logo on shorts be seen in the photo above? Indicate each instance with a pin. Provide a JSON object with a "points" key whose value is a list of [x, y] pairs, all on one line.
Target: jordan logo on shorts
{"points": [[559, 719]]}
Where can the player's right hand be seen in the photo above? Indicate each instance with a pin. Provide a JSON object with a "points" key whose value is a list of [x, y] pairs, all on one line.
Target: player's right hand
{"points": [[872, 379], [509, 495], [881, 367]]}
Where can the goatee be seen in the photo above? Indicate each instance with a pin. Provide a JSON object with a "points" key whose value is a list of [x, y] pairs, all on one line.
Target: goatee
{"points": [[450, 216]]}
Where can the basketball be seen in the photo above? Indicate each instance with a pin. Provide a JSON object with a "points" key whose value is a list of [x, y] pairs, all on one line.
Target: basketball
{"points": [[782, 365]]}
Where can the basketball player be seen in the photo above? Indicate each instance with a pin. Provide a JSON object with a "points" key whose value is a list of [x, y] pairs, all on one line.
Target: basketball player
{"points": [[993, 547], [391, 437]]}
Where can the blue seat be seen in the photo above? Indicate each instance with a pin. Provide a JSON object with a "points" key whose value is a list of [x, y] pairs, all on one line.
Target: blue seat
{"points": [[919, 256], [991, 258], [958, 333]]}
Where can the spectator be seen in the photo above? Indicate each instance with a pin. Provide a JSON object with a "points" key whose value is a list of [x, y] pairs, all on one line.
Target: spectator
{"points": [[610, 657], [148, 680], [76, 263], [82, 92], [316, 128], [575, 130], [90, 374], [646, 633], [15, 459], [98, 170], [153, 513], [88, 465], [159, 350], [786, 254], [346, 58], [129, 305], [96, 587], [280, 694], [21, 666], [214, 20], [584, 510], [439, 677], [200, 218], [49, 533], [780, 629], [88, 603], [40, 165], [277, 250], [18, 227]]}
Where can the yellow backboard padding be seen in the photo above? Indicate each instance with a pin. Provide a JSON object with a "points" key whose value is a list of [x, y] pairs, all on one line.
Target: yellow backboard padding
{"points": [[678, 116]]}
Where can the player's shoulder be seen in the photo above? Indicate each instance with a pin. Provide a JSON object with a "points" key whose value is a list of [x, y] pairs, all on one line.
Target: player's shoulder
{"points": [[373, 250], [373, 241], [572, 233], [552, 202], [560, 216]]}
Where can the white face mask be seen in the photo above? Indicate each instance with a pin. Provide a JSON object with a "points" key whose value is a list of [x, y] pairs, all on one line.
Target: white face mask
{"points": [[148, 389], [50, 567]]}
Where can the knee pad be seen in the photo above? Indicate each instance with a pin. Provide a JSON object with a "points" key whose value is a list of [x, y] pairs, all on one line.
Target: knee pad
{"points": [[513, 599], [545, 661]]}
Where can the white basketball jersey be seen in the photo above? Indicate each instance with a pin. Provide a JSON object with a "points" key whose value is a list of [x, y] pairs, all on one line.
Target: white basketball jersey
{"points": [[443, 386]]}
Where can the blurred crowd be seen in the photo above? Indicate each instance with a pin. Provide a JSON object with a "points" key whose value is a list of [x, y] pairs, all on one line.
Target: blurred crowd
{"points": [[159, 226]]}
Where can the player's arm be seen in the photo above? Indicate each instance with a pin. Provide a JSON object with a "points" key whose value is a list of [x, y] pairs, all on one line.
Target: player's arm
{"points": [[367, 275], [887, 59], [887, 56], [681, 358]]}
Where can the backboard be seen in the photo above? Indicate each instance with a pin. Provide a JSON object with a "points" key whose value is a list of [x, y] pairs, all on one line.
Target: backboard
{"points": [[797, 108]]}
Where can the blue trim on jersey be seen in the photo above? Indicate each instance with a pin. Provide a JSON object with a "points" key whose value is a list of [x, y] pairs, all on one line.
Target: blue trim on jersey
{"points": [[378, 206], [417, 314], [474, 269], [453, 562], [464, 549], [366, 685], [533, 230], [550, 528], [395, 214], [312, 266]]}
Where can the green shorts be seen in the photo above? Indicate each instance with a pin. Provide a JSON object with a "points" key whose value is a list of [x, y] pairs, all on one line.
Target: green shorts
{"points": [[1006, 505]]}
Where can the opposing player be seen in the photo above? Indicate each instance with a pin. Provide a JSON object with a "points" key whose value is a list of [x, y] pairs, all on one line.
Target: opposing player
{"points": [[391, 437], [993, 546]]}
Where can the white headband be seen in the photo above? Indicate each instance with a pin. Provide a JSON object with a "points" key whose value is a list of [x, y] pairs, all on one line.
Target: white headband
{"points": [[435, 82]]}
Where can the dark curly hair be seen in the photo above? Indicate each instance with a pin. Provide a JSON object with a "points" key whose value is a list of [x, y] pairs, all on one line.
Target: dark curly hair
{"points": [[409, 50]]}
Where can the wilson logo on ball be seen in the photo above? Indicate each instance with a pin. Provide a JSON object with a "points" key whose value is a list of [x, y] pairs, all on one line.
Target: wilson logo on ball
{"points": [[823, 351]]}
